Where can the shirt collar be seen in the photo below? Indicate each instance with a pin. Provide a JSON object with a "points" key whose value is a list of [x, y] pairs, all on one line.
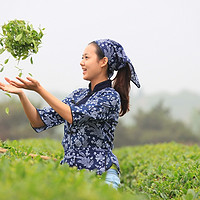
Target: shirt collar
{"points": [[100, 86]]}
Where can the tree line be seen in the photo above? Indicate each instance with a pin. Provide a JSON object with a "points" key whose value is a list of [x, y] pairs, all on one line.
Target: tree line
{"points": [[148, 127], [154, 126]]}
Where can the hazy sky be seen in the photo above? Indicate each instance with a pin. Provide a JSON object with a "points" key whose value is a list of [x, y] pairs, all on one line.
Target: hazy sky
{"points": [[161, 37]]}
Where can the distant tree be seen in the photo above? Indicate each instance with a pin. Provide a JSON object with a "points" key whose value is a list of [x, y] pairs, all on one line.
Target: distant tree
{"points": [[195, 121], [15, 125], [158, 118], [157, 125], [154, 126], [122, 136]]}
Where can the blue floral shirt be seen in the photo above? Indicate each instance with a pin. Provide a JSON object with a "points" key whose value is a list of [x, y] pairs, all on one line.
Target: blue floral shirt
{"points": [[88, 141]]}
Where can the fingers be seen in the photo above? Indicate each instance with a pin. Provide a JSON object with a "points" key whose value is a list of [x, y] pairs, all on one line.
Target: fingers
{"points": [[29, 84], [21, 80], [7, 79], [15, 84], [30, 79], [35, 82], [2, 85], [24, 84]]}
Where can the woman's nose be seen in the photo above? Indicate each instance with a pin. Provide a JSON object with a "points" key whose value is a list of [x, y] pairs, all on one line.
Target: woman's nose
{"points": [[82, 62]]}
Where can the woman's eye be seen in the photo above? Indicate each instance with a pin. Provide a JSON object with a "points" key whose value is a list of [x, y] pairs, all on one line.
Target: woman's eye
{"points": [[84, 57]]}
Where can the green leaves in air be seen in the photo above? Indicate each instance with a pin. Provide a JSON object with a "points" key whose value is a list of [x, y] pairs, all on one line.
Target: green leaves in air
{"points": [[20, 74], [2, 68], [20, 39], [31, 60], [7, 110], [8, 95], [20, 71], [6, 61], [2, 50]]}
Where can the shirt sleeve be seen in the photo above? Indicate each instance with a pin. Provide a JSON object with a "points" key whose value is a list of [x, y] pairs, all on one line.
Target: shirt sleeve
{"points": [[50, 118], [102, 107]]}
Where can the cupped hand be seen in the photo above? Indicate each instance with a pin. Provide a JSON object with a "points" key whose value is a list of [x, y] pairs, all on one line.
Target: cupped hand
{"points": [[9, 88], [29, 84]]}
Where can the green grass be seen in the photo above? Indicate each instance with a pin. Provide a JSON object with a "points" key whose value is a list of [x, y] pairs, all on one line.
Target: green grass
{"points": [[163, 171]]}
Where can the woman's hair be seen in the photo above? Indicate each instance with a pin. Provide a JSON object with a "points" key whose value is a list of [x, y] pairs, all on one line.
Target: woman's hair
{"points": [[121, 82]]}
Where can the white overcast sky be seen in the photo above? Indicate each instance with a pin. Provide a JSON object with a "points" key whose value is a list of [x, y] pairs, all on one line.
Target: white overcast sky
{"points": [[161, 37]]}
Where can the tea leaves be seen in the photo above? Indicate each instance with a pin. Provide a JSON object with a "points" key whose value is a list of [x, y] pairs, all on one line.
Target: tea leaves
{"points": [[20, 39], [162, 171]]}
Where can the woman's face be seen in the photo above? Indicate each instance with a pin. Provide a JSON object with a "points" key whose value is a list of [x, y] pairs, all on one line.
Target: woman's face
{"points": [[90, 63]]}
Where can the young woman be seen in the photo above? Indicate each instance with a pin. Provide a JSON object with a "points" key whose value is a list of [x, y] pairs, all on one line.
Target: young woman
{"points": [[90, 115]]}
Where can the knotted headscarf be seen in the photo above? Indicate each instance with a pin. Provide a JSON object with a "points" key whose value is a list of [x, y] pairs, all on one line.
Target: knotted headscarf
{"points": [[117, 58]]}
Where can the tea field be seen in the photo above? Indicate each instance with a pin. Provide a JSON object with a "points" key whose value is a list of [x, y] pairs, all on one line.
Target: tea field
{"points": [[162, 171]]}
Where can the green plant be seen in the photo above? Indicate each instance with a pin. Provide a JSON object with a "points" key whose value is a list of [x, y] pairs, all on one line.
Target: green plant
{"points": [[162, 171], [21, 40], [47, 179]]}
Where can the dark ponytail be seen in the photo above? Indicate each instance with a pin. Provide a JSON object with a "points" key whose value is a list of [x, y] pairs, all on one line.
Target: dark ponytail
{"points": [[121, 83]]}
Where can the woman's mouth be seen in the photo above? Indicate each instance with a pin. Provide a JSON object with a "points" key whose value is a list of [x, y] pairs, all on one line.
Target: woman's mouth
{"points": [[84, 70]]}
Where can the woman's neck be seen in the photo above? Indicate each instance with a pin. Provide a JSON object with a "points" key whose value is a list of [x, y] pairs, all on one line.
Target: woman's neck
{"points": [[95, 82]]}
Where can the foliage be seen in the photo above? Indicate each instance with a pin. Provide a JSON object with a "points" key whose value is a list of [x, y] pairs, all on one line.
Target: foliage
{"points": [[124, 135], [20, 39], [195, 121], [180, 103], [162, 171], [155, 126], [46, 179], [16, 125]]}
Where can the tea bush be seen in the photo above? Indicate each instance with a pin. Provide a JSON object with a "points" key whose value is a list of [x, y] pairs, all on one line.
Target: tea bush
{"points": [[162, 171]]}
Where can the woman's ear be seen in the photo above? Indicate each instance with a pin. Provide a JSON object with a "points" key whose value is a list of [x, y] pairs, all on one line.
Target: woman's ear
{"points": [[104, 61]]}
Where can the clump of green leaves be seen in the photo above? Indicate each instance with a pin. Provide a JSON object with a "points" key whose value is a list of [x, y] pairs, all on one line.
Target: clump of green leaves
{"points": [[20, 39]]}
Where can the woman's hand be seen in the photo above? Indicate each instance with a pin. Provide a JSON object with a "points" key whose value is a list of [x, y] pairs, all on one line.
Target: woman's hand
{"points": [[30, 110], [31, 84], [9, 87], [60, 107]]}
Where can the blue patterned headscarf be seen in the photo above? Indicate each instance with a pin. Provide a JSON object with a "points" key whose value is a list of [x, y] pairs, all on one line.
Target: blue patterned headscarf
{"points": [[117, 58]]}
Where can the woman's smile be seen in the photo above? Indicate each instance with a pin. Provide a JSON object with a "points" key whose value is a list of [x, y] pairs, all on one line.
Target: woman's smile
{"points": [[84, 70]]}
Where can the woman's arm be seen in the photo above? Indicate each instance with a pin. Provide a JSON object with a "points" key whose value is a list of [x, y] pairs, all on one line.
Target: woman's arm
{"points": [[29, 109], [61, 108]]}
